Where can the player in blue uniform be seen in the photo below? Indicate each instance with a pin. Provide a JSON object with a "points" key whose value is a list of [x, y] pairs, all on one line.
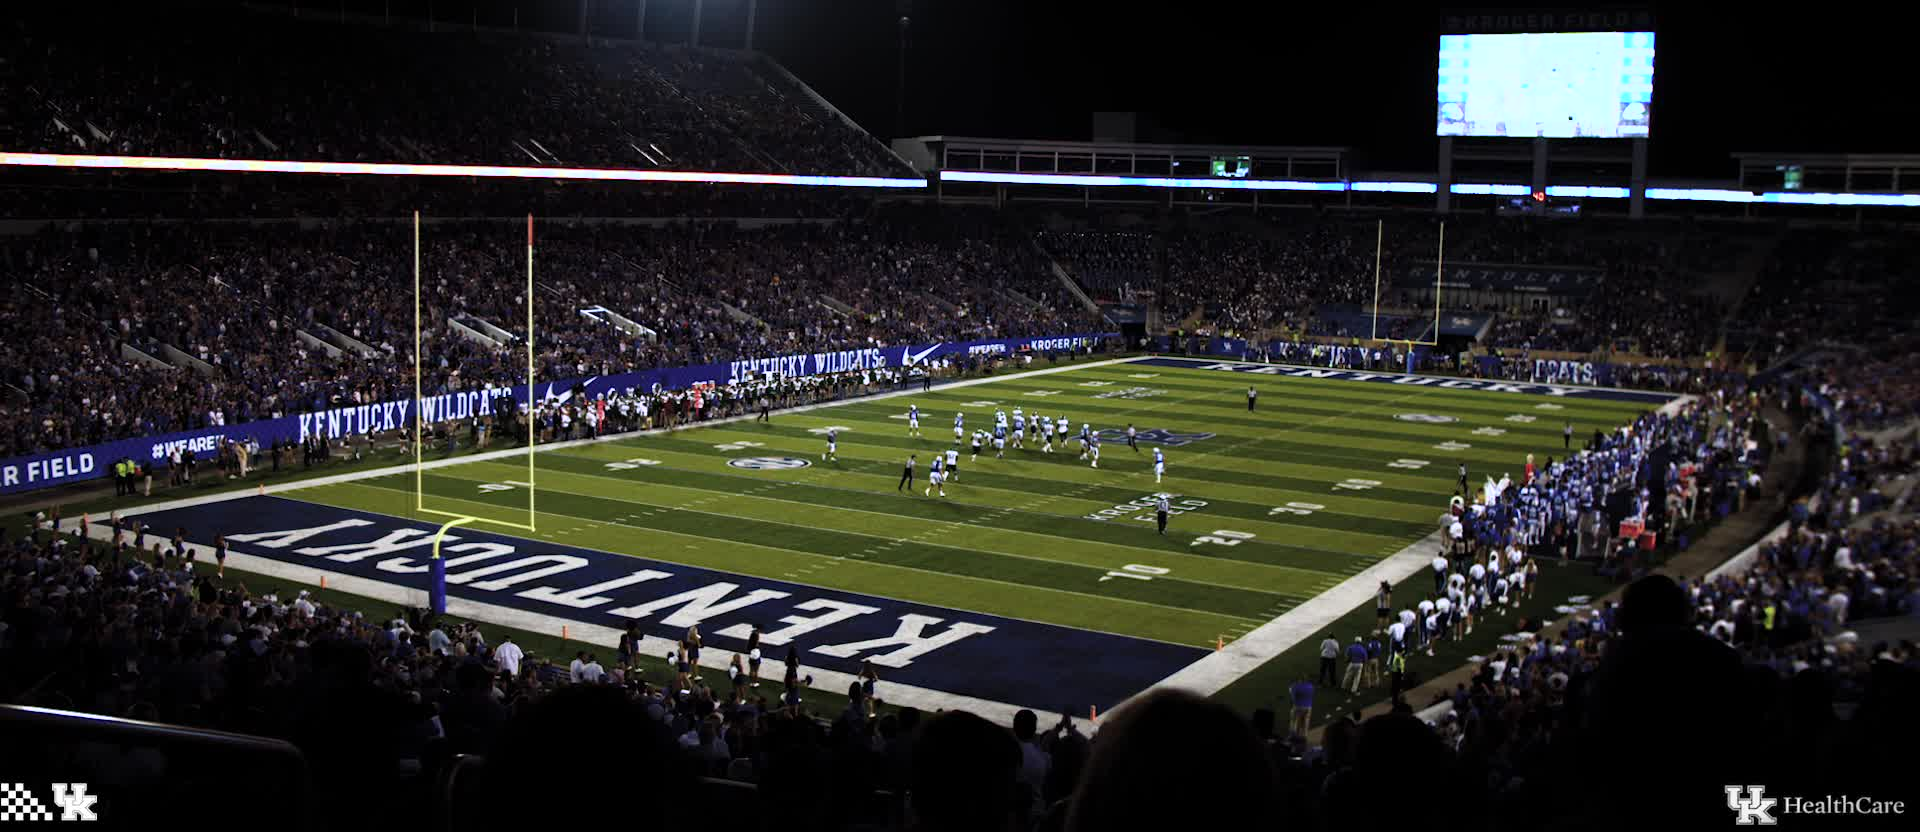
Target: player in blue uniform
{"points": [[1019, 426], [1086, 432], [913, 420], [937, 477], [833, 444], [959, 427], [999, 441], [1093, 449]]}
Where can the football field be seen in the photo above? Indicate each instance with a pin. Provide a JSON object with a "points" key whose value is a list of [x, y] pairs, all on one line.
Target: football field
{"points": [[1037, 581]]}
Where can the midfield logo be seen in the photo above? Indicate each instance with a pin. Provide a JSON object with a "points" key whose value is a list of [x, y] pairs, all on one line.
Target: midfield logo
{"points": [[17, 803], [1154, 436], [1756, 807]]}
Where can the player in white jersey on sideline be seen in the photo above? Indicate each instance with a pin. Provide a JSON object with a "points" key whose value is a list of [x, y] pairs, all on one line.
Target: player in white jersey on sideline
{"points": [[953, 466], [913, 420], [1159, 465]]}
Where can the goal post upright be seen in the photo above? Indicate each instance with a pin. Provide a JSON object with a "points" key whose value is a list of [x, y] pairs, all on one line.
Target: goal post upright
{"points": [[1379, 248], [437, 590]]}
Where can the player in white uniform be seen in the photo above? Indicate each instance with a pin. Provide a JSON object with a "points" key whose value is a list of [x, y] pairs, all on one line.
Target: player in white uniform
{"points": [[953, 466], [1060, 427], [913, 420], [1159, 465], [1131, 441], [1093, 449], [1046, 433], [978, 439], [959, 427]]}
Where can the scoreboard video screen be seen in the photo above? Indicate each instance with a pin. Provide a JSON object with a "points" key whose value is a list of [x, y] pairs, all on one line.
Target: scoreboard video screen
{"points": [[1546, 85]]}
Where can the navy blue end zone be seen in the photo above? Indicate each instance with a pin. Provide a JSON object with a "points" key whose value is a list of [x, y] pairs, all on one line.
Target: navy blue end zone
{"points": [[1024, 663], [1444, 382]]}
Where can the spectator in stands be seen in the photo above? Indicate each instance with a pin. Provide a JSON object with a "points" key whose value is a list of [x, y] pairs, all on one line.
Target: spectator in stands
{"points": [[1159, 755], [965, 773]]}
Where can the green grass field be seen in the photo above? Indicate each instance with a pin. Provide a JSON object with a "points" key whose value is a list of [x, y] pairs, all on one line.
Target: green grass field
{"points": [[1279, 505]]}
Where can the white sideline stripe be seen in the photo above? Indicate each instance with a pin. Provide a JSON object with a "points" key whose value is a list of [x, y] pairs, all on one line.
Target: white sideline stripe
{"points": [[925, 699], [594, 634], [1241, 656]]}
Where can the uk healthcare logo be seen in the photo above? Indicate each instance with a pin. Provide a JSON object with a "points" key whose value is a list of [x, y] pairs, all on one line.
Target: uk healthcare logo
{"points": [[1755, 808]]}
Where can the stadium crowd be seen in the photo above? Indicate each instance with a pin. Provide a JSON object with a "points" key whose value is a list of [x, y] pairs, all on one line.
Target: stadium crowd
{"points": [[273, 319], [268, 86]]}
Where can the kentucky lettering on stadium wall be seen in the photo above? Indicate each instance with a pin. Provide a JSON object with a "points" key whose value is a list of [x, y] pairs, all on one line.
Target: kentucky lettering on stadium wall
{"points": [[33, 471]]}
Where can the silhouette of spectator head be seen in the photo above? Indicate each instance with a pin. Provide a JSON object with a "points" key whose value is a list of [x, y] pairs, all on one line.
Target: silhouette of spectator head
{"points": [[963, 774], [617, 750], [1156, 751], [1025, 723], [1653, 604]]}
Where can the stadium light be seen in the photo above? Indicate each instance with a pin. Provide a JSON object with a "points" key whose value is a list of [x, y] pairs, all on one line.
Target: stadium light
{"points": [[70, 160], [1090, 181], [1396, 187]]}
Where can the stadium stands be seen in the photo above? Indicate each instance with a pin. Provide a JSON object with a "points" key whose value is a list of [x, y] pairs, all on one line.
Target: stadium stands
{"points": [[122, 326], [233, 300], [267, 86]]}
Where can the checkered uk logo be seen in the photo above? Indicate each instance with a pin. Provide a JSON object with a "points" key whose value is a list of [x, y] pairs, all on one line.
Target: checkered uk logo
{"points": [[18, 803]]}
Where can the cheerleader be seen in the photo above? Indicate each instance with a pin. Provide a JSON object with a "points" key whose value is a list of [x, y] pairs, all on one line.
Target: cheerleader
{"points": [[693, 650], [753, 657]]}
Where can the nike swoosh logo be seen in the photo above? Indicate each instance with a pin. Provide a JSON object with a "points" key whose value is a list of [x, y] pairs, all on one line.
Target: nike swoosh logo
{"points": [[908, 359]]}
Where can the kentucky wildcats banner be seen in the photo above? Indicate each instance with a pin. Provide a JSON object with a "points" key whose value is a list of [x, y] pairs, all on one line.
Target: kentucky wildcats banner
{"points": [[25, 473]]}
